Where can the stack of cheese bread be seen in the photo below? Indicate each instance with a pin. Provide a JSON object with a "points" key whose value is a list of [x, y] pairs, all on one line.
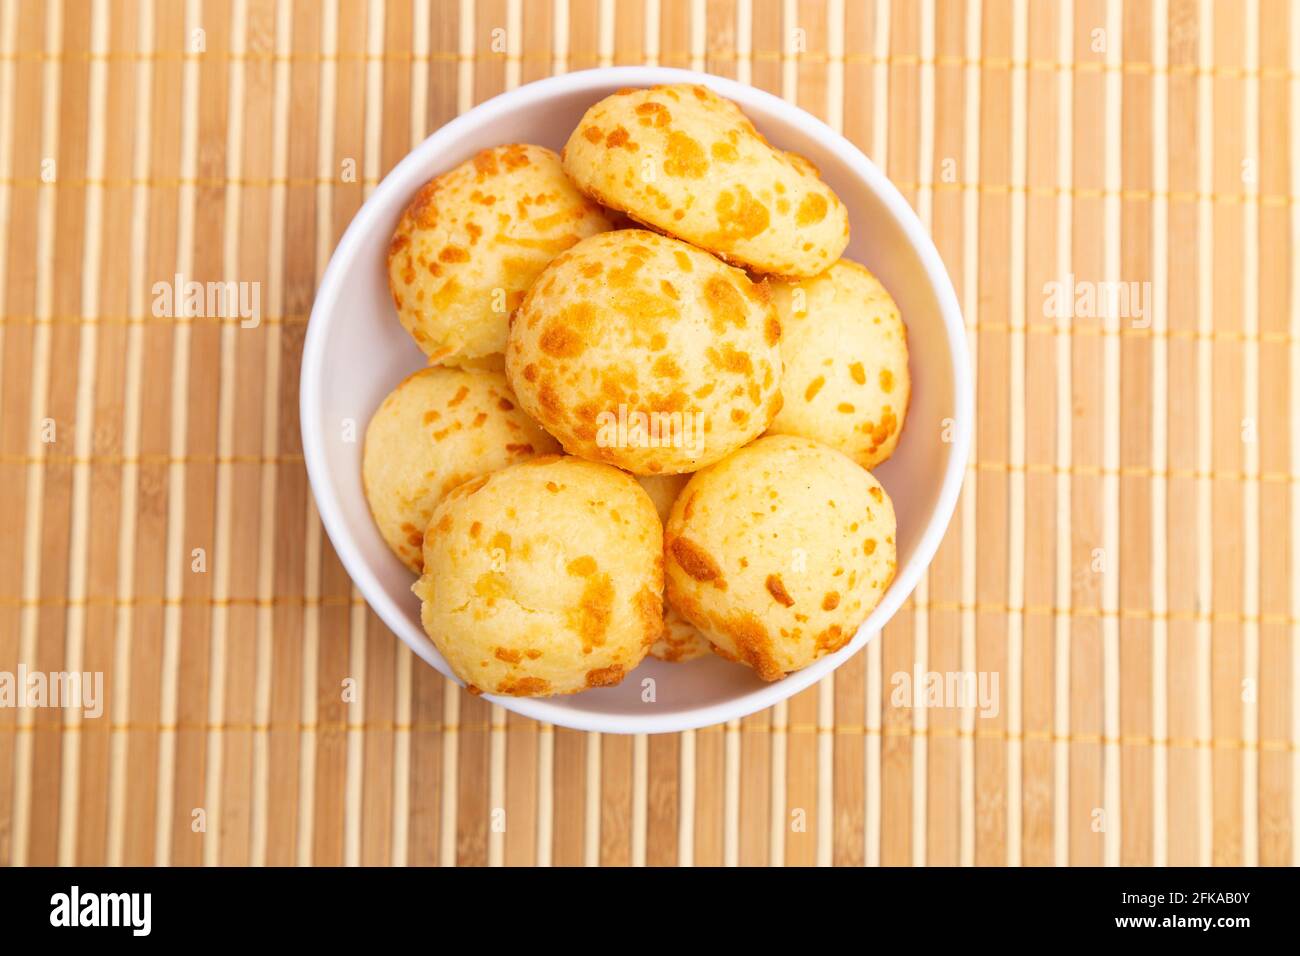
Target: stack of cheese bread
{"points": [[655, 396]]}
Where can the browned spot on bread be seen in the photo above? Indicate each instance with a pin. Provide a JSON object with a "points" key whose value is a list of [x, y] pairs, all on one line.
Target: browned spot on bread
{"points": [[831, 601], [731, 359], [520, 449], [650, 611], [605, 676], [832, 639], [811, 210], [491, 585], [550, 401], [772, 328], [858, 374], [619, 137], [694, 560], [813, 388], [685, 157], [453, 254], [423, 211], [475, 529], [523, 687], [644, 309], [665, 367], [654, 113], [446, 294], [776, 588], [740, 216], [869, 546], [508, 655], [583, 566], [593, 134], [485, 164], [595, 607], [884, 428], [725, 304], [886, 380], [724, 151], [515, 156], [683, 261], [561, 341], [754, 644], [876, 493]]}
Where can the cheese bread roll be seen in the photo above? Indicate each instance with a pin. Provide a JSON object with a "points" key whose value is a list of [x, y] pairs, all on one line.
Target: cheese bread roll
{"points": [[685, 161], [472, 242]]}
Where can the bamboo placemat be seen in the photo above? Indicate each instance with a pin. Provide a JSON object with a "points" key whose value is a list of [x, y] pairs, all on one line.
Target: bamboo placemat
{"points": [[1125, 559]]}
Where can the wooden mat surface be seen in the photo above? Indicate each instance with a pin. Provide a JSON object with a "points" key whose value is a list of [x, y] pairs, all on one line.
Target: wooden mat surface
{"points": [[1125, 560]]}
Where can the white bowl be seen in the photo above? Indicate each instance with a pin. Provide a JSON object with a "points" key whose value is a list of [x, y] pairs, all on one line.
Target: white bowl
{"points": [[356, 351]]}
